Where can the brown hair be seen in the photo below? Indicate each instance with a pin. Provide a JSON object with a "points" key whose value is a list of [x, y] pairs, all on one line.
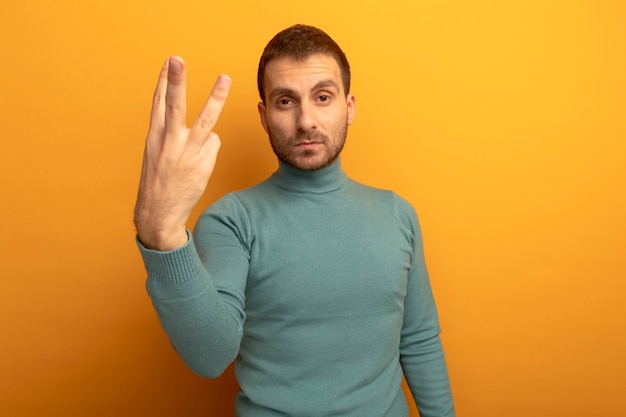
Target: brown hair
{"points": [[299, 42]]}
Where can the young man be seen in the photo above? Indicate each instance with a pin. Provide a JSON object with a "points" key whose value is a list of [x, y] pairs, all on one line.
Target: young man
{"points": [[314, 284]]}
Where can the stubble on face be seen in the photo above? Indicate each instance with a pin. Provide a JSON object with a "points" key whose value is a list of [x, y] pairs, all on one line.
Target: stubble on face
{"points": [[324, 154], [307, 113]]}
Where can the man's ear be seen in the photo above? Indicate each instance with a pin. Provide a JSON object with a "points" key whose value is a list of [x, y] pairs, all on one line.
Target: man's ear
{"points": [[261, 109], [351, 107]]}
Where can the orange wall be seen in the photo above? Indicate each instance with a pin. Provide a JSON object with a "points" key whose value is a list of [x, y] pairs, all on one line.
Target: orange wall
{"points": [[503, 122]]}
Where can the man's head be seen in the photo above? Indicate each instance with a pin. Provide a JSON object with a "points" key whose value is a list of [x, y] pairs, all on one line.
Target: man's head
{"points": [[306, 105], [298, 42]]}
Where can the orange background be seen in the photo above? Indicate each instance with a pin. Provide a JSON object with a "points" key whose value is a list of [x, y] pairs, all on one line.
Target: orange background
{"points": [[504, 123]]}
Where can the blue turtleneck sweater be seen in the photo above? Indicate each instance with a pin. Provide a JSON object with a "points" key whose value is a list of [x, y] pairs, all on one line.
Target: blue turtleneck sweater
{"points": [[316, 286]]}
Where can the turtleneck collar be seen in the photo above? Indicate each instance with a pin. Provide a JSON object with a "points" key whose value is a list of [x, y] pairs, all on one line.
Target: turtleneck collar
{"points": [[323, 180]]}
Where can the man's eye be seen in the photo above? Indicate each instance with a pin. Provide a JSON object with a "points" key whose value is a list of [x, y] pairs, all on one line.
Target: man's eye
{"points": [[285, 101], [324, 98]]}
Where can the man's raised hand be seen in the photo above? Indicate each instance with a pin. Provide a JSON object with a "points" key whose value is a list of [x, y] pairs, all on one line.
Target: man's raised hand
{"points": [[178, 161]]}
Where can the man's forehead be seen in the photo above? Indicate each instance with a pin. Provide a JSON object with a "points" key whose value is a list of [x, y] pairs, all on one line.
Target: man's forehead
{"points": [[315, 62], [312, 70]]}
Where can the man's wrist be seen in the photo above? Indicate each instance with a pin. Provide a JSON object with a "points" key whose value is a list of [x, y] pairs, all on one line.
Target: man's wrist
{"points": [[163, 242]]}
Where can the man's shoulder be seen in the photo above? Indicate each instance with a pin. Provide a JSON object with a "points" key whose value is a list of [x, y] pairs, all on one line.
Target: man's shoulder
{"points": [[383, 194], [241, 198]]}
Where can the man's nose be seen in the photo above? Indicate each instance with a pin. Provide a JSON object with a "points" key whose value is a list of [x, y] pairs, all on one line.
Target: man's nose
{"points": [[306, 117]]}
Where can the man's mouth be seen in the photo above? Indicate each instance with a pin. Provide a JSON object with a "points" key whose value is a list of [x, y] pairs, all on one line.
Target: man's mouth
{"points": [[307, 144]]}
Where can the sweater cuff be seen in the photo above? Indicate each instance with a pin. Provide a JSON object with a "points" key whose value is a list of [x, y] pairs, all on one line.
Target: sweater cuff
{"points": [[171, 267]]}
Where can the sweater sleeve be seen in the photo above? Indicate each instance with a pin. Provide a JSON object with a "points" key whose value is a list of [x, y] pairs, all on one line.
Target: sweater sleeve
{"points": [[198, 290], [421, 351]]}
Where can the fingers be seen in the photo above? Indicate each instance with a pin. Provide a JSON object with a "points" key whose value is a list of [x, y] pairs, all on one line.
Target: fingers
{"points": [[175, 96], [169, 104], [213, 107], [158, 100]]}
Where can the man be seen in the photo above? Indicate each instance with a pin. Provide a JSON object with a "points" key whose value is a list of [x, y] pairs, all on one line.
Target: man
{"points": [[314, 284]]}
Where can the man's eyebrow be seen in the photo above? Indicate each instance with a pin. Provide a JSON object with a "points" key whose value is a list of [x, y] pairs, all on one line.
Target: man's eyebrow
{"points": [[281, 91], [325, 83], [284, 91]]}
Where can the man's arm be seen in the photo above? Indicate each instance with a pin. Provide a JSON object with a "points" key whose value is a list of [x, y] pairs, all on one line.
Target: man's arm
{"points": [[203, 325], [421, 351], [178, 161]]}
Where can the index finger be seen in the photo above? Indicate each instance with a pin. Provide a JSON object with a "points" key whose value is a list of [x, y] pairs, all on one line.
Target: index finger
{"points": [[213, 107], [158, 100]]}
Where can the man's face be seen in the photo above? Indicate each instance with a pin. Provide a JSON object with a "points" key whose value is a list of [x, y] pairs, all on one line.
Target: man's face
{"points": [[306, 112]]}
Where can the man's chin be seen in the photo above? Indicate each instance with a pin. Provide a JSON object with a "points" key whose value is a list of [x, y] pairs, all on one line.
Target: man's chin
{"points": [[309, 162]]}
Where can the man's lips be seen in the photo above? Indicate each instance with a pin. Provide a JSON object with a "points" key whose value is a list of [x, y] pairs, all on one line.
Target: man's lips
{"points": [[307, 144]]}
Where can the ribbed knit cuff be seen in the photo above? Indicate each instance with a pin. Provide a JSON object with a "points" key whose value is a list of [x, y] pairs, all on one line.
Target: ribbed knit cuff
{"points": [[171, 267]]}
